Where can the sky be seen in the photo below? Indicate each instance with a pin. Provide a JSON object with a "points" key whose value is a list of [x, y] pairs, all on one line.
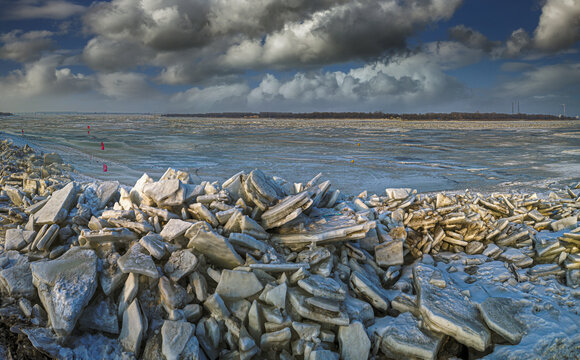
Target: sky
{"points": [[195, 56]]}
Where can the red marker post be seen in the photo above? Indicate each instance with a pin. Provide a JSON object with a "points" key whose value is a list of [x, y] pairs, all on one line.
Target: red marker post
{"points": [[104, 167], [22, 131], [88, 129], [102, 146]]}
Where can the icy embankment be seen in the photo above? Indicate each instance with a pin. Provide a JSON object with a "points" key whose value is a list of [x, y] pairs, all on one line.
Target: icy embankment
{"points": [[258, 267]]}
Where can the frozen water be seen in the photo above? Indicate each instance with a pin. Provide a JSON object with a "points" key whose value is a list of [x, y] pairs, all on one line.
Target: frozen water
{"points": [[429, 156]]}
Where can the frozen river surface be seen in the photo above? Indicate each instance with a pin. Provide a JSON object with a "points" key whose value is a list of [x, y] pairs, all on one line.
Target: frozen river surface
{"points": [[428, 156]]}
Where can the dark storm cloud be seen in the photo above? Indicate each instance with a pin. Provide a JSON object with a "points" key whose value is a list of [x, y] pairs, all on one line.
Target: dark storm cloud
{"points": [[229, 36]]}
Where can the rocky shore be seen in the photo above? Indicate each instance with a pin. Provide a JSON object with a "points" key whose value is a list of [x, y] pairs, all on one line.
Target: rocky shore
{"points": [[261, 268]]}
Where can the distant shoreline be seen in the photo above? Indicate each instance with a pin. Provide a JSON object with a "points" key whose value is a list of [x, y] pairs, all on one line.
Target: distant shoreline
{"points": [[453, 116]]}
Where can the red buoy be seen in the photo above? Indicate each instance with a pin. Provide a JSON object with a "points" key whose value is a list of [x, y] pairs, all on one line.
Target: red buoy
{"points": [[22, 131], [104, 167], [102, 146]]}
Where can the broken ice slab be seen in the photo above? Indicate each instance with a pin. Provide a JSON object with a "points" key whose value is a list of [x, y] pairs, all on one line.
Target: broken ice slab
{"points": [[107, 235], [286, 210], [403, 338], [65, 286], [57, 207], [500, 314], [298, 298], [215, 247], [298, 241], [454, 316], [285, 267]]}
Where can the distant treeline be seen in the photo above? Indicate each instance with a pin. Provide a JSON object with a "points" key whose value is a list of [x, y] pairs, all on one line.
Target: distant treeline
{"points": [[5, 114], [375, 115]]}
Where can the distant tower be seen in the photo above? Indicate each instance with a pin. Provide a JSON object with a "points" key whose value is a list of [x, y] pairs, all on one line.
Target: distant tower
{"points": [[512, 107], [564, 106], [518, 106]]}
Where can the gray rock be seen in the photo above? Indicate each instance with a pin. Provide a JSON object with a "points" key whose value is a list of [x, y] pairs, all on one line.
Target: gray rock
{"points": [[134, 328], [65, 286], [238, 284], [57, 207], [215, 247], [135, 261], [354, 342], [180, 264], [500, 315]]}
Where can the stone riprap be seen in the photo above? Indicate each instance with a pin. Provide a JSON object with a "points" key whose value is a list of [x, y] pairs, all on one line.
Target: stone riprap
{"points": [[261, 268]]}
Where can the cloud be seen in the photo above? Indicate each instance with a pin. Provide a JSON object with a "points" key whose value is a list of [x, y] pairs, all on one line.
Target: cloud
{"points": [[112, 55], [472, 38], [544, 80], [400, 83], [44, 77], [24, 46], [194, 41], [558, 30], [516, 66], [39, 9], [559, 26], [517, 44], [354, 30], [121, 85], [213, 98]]}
